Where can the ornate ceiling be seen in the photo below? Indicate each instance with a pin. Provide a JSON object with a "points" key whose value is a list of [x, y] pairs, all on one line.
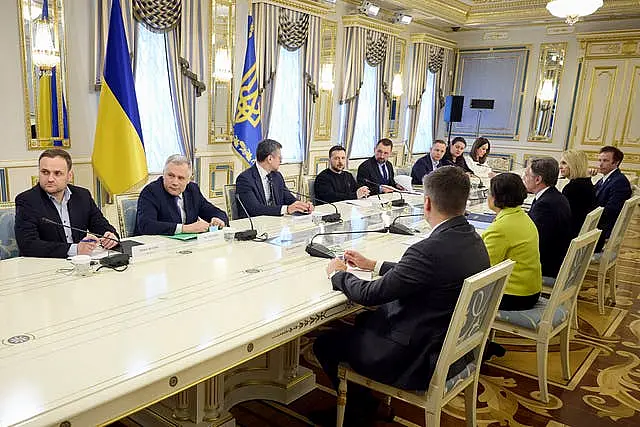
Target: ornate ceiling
{"points": [[467, 14]]}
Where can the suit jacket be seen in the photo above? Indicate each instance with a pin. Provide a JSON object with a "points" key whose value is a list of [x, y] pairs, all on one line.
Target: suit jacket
{"points": [[611, 196], [158, 212], [401, 340], [37, 238], [369, 171], [551, 214], [424, 166], [447, 160], [249, 189], [582, 198]]}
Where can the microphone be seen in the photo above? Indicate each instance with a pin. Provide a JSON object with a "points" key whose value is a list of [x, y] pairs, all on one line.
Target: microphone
{"points": [[401, 228], [246, 234], [334, 217], [395, 203], [50, 221], [321, 251]]}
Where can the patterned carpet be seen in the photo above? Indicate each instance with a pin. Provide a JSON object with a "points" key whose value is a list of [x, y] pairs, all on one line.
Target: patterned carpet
{"points": [[604, 389]]}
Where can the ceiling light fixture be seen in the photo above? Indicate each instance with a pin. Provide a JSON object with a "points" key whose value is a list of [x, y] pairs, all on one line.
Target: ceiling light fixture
{"points": [[573, 10], [401, 18], [369, 8]]}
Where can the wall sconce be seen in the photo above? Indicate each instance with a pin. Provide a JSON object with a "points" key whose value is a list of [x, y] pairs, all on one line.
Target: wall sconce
{"points": [[547, 94], [396, 85], [45, 54], [222, 70], [369, 8], [326, 77]]}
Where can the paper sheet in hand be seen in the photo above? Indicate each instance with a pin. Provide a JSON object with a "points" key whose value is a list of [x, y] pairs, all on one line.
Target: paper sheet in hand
{"points": [[360, 274]]}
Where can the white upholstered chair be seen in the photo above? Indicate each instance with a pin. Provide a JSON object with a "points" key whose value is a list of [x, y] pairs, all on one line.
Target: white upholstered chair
{"points": [[468, 331], [127, 207], [551, 317], [606, 261]]}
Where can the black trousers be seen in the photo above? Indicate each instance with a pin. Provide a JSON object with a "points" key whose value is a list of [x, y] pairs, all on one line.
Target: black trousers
{"points": [[518, 303]]}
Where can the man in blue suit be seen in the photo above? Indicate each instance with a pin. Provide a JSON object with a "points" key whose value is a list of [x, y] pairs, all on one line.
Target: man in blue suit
{"points": [[612, 190], [261, 188], [173, 204], [427, 164]]}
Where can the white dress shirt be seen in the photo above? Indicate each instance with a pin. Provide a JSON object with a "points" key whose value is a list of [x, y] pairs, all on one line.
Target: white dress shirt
{"points": [[267, 189]]}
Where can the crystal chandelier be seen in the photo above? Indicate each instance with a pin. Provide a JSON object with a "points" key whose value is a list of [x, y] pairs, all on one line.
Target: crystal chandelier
{"points": [[572, 10], [44, 53]]}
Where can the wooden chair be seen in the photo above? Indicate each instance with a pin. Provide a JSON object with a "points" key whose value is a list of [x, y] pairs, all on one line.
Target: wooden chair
{"points": [[8, 244], [590, 223], [309, 188], [606, 261], [551, 317], [127, 207], [468, 331], [230, 201]]}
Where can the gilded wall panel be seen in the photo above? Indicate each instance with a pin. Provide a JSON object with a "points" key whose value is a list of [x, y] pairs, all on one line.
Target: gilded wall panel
{"points": [[220, 174], [631, 127], [599, 103]]}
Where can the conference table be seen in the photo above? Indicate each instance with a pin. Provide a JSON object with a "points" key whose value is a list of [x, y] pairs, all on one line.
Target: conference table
{"points": [[211, 322]]}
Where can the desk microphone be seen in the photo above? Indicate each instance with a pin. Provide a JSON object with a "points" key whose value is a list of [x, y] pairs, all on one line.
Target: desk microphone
{"points": [[111, 261], [398, 203], [333, 217], [401, 228], [321, 251], [50, 221], [246, 234]]}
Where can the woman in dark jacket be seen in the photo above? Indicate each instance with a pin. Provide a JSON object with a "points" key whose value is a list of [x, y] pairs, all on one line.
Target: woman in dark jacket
{"points": [[454, 155], [579, 191]]}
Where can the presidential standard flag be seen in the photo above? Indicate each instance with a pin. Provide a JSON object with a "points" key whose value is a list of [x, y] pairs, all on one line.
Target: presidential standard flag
{"points": [[118, 151], [247, 128]]}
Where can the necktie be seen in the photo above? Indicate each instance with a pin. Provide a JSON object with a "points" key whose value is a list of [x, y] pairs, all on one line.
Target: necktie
{"points": [[385, 175], [598, 186], [271, 200], [179, 205]]}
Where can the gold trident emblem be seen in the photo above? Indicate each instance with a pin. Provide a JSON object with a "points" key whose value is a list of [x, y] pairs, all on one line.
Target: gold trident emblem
{"points": [[248, 108]]}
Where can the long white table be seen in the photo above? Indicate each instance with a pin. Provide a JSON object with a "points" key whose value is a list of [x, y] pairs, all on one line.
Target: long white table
{"points": [[80, 351]]}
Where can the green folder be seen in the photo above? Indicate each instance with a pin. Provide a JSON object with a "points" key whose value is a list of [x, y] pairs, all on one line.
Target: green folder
{"points": [[184, 236]]}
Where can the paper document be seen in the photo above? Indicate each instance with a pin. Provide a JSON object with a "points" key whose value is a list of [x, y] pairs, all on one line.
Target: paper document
{"points": [[360, 274], [184, 236]]}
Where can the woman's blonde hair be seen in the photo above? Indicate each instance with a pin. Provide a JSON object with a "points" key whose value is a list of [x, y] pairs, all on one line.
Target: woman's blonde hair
{"points": [[577, 162]]}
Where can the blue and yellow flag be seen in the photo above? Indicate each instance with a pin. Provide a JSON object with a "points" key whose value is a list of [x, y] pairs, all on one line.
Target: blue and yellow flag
{"points": [[118, 151], [247, 127], [48, 125]]}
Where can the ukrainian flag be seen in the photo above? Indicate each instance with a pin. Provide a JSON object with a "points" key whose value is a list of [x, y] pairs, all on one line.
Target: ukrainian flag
{"points": [[118, 151], [247, 128], [48, 125]]}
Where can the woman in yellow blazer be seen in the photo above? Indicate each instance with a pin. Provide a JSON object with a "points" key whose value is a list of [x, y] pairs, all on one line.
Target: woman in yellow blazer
{"points": [[513, 235]]}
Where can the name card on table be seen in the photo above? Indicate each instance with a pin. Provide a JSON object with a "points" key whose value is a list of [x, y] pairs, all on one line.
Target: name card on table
{"points": [[147, 250], [211, 236]]}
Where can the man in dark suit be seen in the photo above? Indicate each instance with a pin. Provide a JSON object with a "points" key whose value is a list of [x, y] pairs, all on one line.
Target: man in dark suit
{"points": [[335, 184], [427, 164], [57, 200], [377, 172], [550, 212], [399, 343], [173, 204], [261, 188], [612, 190]]}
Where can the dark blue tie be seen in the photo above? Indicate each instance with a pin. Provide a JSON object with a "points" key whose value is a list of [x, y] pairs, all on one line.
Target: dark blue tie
{"points": [[272, 197], [599, 186], [385, 175]]}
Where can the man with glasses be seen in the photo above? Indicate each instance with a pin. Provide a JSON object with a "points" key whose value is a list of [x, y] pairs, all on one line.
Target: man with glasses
{"points": [[261, 188], [173, 204]]}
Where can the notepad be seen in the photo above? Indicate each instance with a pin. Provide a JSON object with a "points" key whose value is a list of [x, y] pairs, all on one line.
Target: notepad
{"points": [[184, 236]]}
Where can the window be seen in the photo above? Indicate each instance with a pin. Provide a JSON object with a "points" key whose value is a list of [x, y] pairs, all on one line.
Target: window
{"points": [[285, 122], [424, 132], [157, 117], [364, 133]]}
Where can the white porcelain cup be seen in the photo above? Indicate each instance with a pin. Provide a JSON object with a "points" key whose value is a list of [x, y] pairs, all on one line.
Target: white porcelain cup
{"points": [[82, 264]]}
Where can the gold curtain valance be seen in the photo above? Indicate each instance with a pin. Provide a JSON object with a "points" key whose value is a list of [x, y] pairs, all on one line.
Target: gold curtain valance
{"points": [[430, 39], [293, 33], [158, 15]]}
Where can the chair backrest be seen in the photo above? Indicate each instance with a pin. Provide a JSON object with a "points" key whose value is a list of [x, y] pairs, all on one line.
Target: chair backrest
{"points": [[127, 206], [612, 247], [8, 244], [310, 184], [231, 202], [471, 321], [591, 220], [570, 277]]}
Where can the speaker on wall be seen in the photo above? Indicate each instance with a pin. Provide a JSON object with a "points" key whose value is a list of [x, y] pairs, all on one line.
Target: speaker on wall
{"points": [[453, 108]]}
